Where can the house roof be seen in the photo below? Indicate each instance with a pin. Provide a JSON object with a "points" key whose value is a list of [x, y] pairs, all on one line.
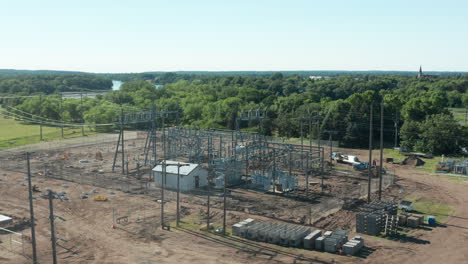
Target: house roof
{"points": [[184, 170]]}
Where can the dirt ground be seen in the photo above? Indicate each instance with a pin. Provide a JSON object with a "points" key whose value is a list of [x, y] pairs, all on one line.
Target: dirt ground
{"points": [[88, 236]]}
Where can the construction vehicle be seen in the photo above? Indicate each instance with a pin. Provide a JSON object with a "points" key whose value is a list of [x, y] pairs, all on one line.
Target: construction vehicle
{"points": [[100, 198], [344, 158], [365, 165], [361, 166]]}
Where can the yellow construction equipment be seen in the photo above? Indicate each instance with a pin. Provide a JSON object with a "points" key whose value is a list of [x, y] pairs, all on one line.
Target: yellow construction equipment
{"points": [[100, 198]]}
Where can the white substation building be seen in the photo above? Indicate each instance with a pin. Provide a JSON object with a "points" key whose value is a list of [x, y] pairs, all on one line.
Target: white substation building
{"points": [[192, 176]]}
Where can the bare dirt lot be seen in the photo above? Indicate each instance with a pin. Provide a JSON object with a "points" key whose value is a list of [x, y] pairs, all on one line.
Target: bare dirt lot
{"points": [[88, 234]]}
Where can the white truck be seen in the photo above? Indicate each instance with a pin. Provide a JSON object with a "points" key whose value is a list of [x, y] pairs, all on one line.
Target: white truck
{"points": [[344, 158]]}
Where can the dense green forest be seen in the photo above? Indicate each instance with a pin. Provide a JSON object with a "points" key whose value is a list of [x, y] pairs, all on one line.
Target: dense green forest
{"points": [[27, 84], [416, 108]]}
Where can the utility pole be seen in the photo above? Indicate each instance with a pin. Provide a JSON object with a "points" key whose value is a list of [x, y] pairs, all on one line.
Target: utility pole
{"points": [[122, 132], [81, 113], [120, 141], [370, 157], [52, 227], [208, 206], [466, 114], [381, 148], [164, 136], [61, 111], [302, 136], [138, 176], [178, 191], [274, 171], [210, 173], [127, 161], [163, 176], [321, 152], [40, 112], [224, 206], [330, 141], [331, 146], [396, 129], [31, 212]]}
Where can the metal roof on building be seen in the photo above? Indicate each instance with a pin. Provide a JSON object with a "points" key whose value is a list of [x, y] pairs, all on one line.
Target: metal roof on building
{"points": [[184, 170], [4, 218]]}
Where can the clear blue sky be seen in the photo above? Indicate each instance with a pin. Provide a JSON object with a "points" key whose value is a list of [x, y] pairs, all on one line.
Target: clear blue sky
{"points": [[156, 35]]}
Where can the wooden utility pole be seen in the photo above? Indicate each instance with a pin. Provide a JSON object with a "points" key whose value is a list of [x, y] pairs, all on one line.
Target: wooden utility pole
{"points": [[81, 113], [396, 129], [330, 142], [31, 211], [122, 132], [61, 111], [52, 227], [381, 148], [466, 114], [224, 205], [208, 206], [163, 182], [321, 152], [178, 192], [370, 157], [40, 113]]}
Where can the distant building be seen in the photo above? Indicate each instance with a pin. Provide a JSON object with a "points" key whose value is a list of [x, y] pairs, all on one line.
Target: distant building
{"points": [[424, 76], [315, 78], [192, 176]]}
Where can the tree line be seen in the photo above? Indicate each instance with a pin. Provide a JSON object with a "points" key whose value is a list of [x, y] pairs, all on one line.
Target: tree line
{"points": [[27, 84], [416, 108]]}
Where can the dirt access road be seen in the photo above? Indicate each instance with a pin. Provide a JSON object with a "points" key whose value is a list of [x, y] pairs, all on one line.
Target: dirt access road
{"points": [[91, 238], [446, 243]]}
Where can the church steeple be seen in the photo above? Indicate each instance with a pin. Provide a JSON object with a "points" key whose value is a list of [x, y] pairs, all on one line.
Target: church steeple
{"points": [[420, 74]]}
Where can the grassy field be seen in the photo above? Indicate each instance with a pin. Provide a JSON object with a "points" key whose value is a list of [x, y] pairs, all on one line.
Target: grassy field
{"points": [[429, 165], [429, 207], [459, 114], [16, 133]]}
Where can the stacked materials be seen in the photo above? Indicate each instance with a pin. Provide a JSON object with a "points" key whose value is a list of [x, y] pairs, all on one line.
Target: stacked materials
{"points": [[369, 223], [353, 246], [296, 236], [275, 233], [391, 225], [386, 207], [309, 240], [372, 219], [335, 241], [241, 226], [413, 221], [319, 243]]}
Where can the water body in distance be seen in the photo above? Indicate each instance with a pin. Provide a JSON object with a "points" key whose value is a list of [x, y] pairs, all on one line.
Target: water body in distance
{"points": [[116, 85]]}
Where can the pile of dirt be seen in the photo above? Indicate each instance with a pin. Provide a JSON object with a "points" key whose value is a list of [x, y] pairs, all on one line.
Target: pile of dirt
{"points": [[413, 161]]}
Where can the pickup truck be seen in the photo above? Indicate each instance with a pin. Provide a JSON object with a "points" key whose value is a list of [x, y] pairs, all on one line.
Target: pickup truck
{"points": [[343, 158]]}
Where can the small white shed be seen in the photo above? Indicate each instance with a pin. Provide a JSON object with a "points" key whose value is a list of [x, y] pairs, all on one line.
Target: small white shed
{"points": [[192, 176]]}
